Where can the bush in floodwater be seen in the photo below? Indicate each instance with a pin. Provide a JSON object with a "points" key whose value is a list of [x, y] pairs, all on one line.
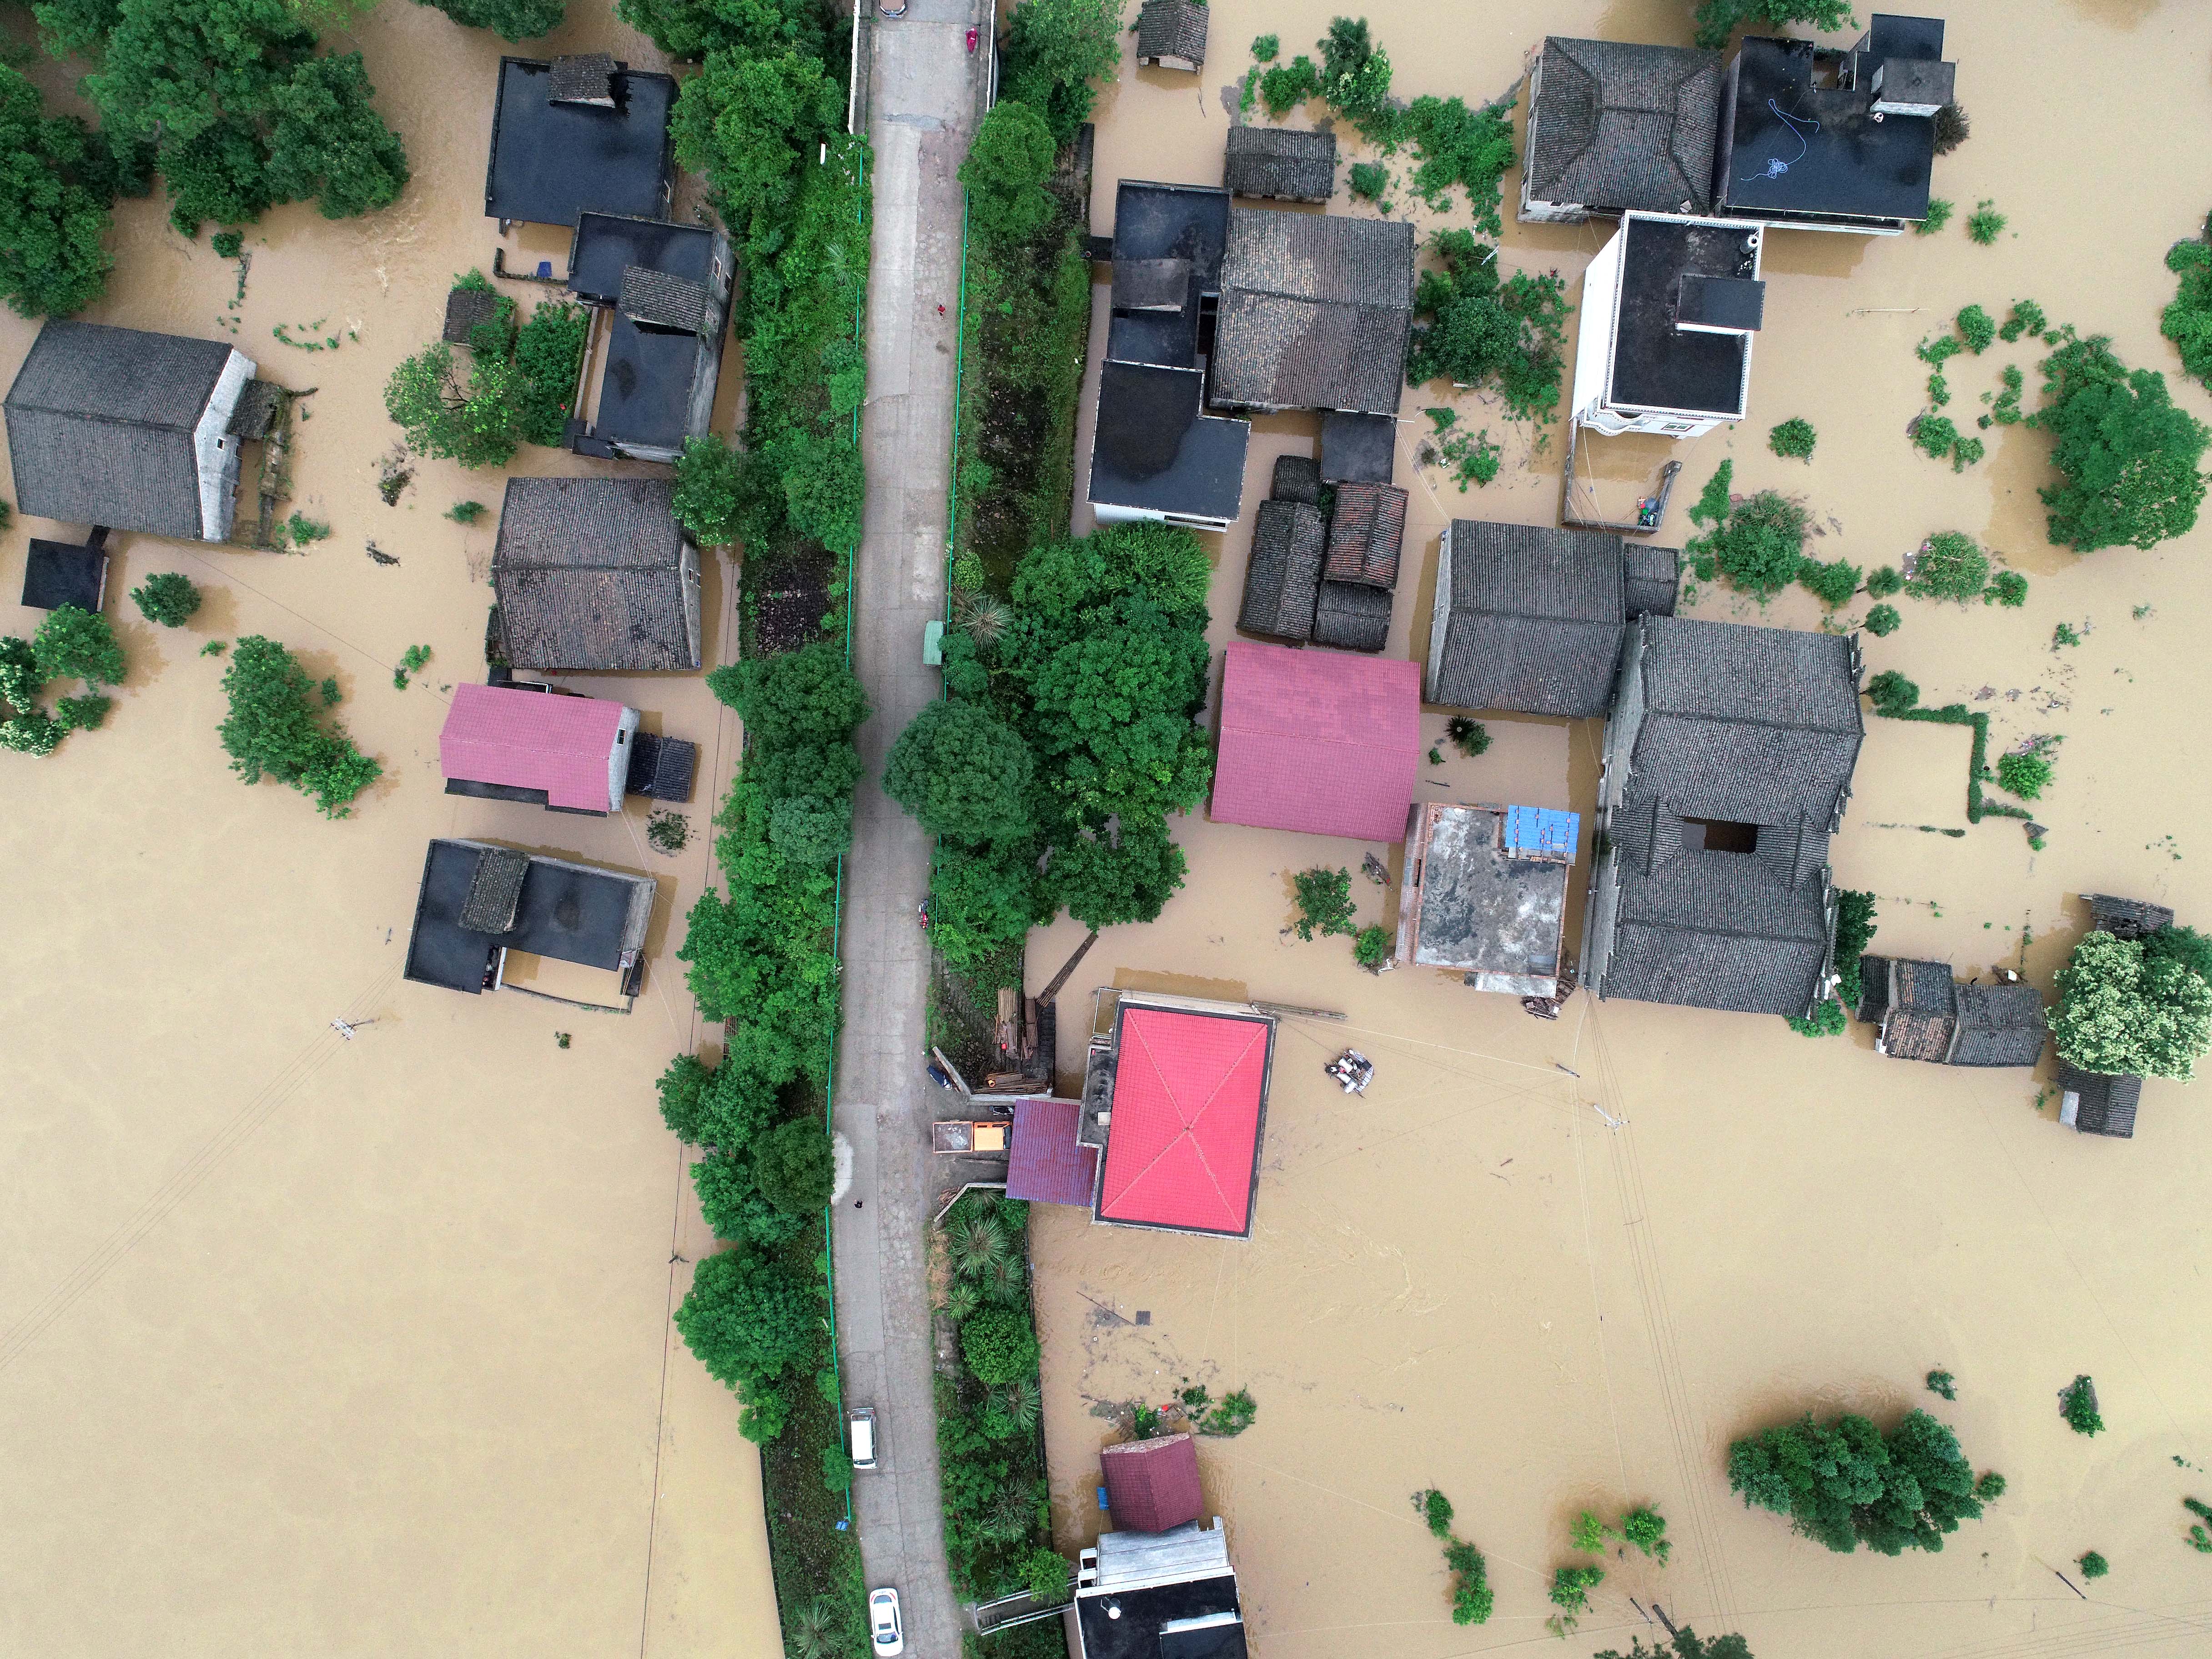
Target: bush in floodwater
{"points": [[1470, 736], [1883, 621], [1832, 584], [1437, 1509], [1793, 440], [1939, 215], [1368, 180], [1760, 546], [2092, 1564], [1989, 1486], [1976, 328], [1324, 900], [1844, 1483], [1944, 1383], [1569, 1593], [1371, 948], [2025, 317], [1935, 436], [1949, 566], [1646, 1529], [167, 598], [1882, 581], [1829, 1019], [1986, 224], [2077, 1404], [1472, 1596], [271, 730], [2126, 455]]}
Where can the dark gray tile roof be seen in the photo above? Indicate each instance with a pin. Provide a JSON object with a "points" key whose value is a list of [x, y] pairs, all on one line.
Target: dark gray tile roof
{"points": [[257, 407], [664, 300], [1358, 448], [1615, 126], [1535, 619], [1716, 930], [1922, 1019], [1286, 163], [589, 575], [587, 78], [1998, 1026], [2129, 918], [1314, 311], [2107, 1100], [495, 890], [1282, 579], [1171, 28], [56, 573], [100, 427], [1297, 478], [1653, 578], [1366, 531], [1752, 725], [1352, 617]]}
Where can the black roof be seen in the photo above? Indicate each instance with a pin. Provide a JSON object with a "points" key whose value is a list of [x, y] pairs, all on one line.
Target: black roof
{"points": [[1282, 578], [100, 427], [660, 279], [2107, 1102], [1358, 448], [1137, 1633], [1173, 221], [1156, 451], [553, 160], [2128, 918], [56, 574], [1998, 1026], [1789, 147], [1615, 126], [1352, 616], [1533, 618], [1655, 364], [1288, 164], [661, 767], [590, 575], [1316, 310], [1171, 28], [552, 909], [1297, 478]]}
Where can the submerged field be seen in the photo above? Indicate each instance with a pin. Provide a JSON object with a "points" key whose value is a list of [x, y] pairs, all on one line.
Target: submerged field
{"points": [[1547, 1268], [309, 1344]]}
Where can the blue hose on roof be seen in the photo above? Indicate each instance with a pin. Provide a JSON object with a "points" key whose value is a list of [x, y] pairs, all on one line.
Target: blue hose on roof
{"points": [[1777, 167]]}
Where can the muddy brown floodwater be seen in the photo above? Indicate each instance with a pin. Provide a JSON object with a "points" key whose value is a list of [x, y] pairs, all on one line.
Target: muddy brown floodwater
{"points": [[1471, 1278], [310, 1345]]}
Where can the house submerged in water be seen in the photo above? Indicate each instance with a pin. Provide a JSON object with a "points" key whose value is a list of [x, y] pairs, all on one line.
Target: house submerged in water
{"points": [[1924, 1014]]}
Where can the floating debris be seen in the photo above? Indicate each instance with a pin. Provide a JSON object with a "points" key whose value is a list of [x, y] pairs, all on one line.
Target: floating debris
{"points": [[379, 555]]}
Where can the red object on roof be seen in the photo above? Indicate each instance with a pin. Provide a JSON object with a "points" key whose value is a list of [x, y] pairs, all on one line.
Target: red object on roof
{"points": [[1048, 1164], [1183, 1150], [1152, 1484], [533, 740], [1325, 742]]}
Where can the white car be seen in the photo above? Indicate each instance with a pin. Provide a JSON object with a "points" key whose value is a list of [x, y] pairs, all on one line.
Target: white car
{"points": [[884, 1623]]}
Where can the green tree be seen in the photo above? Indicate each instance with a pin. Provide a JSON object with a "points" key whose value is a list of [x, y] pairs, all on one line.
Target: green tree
{"points": [[1687, 1644], [549, 356], [682, 1088], [1473, 1599], [2077, 1404], [1047, 1577], [750, 1319], [1052, 51], [510, 20], [1324, 900], [328, 142], [479, 423], [824, 487], [77, 645], [793, 699], [57, 183], [1950, 567], [1760, 547], [2126, 456], [1008, 163], [708, 490], [272, 730], [2185, 945], [793, 1167], [731, 1198], [167, 598], [1832, 584], [1793, 440], [1106, 880], [743, 121], [2187, 321], [2092, 1564], [2121, 1009], [810, 831], [1845, 1483], [963, 772], [999, 1344], [1718, 19], [982, 902], [1482, 331], [690, 28]]}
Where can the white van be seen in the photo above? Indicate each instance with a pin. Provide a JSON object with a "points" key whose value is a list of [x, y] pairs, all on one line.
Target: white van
{"points": [[861, 1434]]}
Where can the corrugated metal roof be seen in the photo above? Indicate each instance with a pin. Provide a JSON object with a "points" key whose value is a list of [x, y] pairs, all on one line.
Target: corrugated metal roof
{"points": [[1541, 832]]}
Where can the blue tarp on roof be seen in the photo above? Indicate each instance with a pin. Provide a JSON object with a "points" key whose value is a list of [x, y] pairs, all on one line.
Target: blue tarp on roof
{"points": [[1538, 832]]}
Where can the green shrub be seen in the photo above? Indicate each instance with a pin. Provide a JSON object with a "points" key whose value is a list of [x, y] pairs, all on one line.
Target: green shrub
{"points": [[1368, 180], [84, 713], [1832, 584], [1047, 1577], [548, 356], [1051, 53], [465, 512], [1935, 436], [1265, 49], [1939, 350], [836, 1469], [2187, 320], [1473, 1599], [1469, 736], [1845, 1483], [1986, 224], [2008, 588], [1231, 1417], [682, 1088], [751, 1320], [1482, 331], [1437, 1509], [1646, 1529], [1944, 1383], [1793, 440], [1009, 162], [1286, 86], [1949, 566], [2126, 456], [2092, 1564], [1453, 144], [1882, 621], [1989, 1486], [1893, 695], [77, 645], [2077, 1404], [1965, 452], [271, 731], [1324, 901], [2025, 317], [1939, 215], [1371, 948], [2027, 775], [1569, 1593], [1882, 581], [166, 598], [1587, 1533], [1828, 1019], [1978, 328], [1854, 931], [999, 1344], [1712, 504], [1760, 546], [301, 530]]}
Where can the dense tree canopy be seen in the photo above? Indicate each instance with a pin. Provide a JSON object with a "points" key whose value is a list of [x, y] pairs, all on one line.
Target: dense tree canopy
{"points": [[1482, 331], [58, 182], [168, 596], [2127, 457], [273, 731], [2123, 1007], [1845, 1483], [745, 121], [751, 1320], [240, 112], [1007, 166], [1052, 51], [708, 480], [510, 20], [475, 419], [965, 773], [690, 28], [1687, 1644], [1718, 19]]}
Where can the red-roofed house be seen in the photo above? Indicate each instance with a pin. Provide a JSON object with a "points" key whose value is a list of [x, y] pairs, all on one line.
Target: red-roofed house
{"points": [[1049, 1164], [1321, 741], [571, 754], [1152, 1486], [1184, 1093]]}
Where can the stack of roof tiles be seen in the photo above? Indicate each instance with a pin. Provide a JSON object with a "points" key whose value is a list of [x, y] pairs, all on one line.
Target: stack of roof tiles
{"points": [[661, 299], [1286, 164], [1171, 31]]}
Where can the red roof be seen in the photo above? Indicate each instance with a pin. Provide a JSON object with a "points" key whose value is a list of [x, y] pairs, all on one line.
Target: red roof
{"points": [[1321, 741], [1183, 1150], [1152, 1484], [531, 741], [1048, 1164]]}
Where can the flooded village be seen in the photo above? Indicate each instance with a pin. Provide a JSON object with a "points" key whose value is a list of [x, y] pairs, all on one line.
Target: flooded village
{"points": [[1119, 872]]}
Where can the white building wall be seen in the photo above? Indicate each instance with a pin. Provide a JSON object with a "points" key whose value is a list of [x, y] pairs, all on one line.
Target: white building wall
{"points": [[216, 452], [1593, 330], [618, 759]]}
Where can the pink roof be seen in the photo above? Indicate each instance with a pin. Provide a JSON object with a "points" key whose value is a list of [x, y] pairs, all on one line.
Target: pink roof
{"points": [[1183, 1147], [1321, 741], [531, 741], [1152, 1486]]}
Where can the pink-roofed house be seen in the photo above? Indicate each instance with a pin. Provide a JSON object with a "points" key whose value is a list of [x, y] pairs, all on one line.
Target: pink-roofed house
{"points": [[1324, 742], [571, 754]]}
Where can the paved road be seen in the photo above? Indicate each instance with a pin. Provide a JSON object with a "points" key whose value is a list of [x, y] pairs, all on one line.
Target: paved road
{"points": [[925, 90]]}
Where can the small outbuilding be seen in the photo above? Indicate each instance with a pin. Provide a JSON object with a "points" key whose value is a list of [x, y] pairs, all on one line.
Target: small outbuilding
{"points": [[567, 754], [56, 573], [1924, 1014], [2098, 1102], [1282, 164], [1485, 894], [1528, 619], [580, 134], [1171, 35], [595, 573], [489, 917], [128, 430], [1316, 311], [1358, 448], [1317, 741], [1049, 1164], [1152, 1486]]}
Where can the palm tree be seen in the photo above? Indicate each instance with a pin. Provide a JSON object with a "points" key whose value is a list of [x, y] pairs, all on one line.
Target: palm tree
{"points": [[982, 617], [1021, 1401], [960, 1302], [1011, 1516], [978, 1246], [1005, 1281], [806, 1633]]}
